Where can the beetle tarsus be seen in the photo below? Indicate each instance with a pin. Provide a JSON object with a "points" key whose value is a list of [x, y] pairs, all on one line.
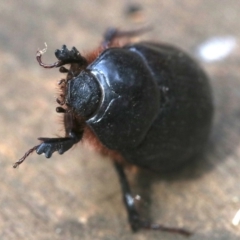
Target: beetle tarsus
{"points": [[137, 223], [39, 59], [134, 219], [150, 226], [21, 160]]}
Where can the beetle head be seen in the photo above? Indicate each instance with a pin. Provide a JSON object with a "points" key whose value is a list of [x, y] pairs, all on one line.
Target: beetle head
{"points": [[83, 94]]}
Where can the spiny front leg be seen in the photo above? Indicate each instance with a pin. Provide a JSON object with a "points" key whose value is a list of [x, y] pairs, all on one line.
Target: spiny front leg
{"points": [[64, 56], [60, 145], [73, 56], [51, 145]]}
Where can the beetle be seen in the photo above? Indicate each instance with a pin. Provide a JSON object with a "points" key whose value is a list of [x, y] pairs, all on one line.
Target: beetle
{"points": [[145, 104]]}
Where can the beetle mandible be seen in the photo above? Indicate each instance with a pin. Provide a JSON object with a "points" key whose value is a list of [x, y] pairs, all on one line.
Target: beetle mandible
{"points": [[145, 104]]}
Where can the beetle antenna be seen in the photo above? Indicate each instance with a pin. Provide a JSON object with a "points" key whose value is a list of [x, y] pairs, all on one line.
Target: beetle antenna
{"points": [[21, 160]]}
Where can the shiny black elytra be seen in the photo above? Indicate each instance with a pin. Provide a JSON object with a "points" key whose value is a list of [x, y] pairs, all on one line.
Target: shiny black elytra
{"points": [[148, 103]]}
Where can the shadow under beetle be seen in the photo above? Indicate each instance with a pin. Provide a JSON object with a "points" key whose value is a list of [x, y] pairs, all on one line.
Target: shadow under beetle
{"points": [[145, 104]]}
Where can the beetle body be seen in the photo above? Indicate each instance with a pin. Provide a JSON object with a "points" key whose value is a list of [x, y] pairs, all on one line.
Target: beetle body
{"points": [[154, 106], [145, 104]]}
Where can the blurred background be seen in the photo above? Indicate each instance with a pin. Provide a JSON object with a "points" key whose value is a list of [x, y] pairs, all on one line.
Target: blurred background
{"points": [[77, 195]]}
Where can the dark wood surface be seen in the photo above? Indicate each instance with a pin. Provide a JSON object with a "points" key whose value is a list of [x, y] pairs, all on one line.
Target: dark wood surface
{"points": [[77, 195]]}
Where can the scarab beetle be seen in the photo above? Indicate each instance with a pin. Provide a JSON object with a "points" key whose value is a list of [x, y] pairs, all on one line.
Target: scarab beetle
{"points": [[145, 104]]}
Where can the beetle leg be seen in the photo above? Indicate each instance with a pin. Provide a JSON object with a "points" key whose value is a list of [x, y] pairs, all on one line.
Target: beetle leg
{"points": [[109, 37], [61, 145], [51, 145], [73, 56], [64, 56], [133, 216], [113, 33]]}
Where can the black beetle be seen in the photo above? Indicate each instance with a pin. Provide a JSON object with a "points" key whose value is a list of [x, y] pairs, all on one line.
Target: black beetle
{"points": [[145, 104]]}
